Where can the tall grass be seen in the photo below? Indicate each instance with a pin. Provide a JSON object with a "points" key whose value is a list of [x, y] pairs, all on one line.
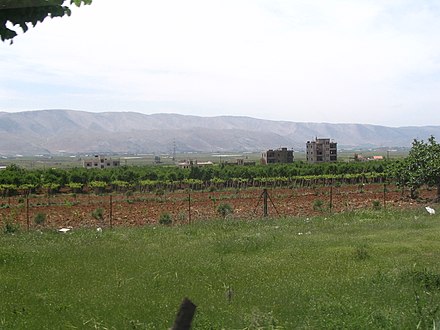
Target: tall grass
{"points": [[369, 269]]}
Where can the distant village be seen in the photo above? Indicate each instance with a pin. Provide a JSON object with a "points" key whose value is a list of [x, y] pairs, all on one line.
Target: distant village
{"points": [[320, 150]]}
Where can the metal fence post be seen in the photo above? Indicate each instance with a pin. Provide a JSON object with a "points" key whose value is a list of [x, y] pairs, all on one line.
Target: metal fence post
{"points": [[331, 198], [265, 202], [189, 207], [111, 211], [27, 213]]}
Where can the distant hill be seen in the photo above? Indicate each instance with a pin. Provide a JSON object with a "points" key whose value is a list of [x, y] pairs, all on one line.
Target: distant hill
{"points": [[52, 131]]}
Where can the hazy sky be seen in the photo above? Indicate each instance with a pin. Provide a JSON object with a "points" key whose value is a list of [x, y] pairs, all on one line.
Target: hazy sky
{"points": [[338, 61]]}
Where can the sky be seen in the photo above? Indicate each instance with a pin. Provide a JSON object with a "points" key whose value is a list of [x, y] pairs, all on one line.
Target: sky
{"points": [[334, 61]]}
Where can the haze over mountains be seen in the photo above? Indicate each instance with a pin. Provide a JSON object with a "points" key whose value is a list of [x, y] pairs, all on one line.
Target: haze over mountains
{"points": [[55, 131]]}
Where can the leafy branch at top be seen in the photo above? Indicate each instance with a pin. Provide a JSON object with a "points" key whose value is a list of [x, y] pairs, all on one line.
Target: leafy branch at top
{"points": [[23, 13]]}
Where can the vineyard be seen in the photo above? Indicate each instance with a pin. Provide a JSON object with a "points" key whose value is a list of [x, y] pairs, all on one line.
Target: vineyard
{"points": [[136, 196], [15, 180]]}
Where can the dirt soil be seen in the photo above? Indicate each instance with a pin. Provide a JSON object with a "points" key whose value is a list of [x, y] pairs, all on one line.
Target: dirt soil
{"points": [[138, 209]]}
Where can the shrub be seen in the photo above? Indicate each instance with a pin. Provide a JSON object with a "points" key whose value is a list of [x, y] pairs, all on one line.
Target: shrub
{"points": [[318, 204], [10, 226], [98, 214], [224, 209], [376, 205], [40, 218], [165, 219]]}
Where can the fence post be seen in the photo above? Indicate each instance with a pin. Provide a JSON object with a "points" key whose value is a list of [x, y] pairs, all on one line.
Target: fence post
{"points": [[384, 195], [331, 198], [111, 211], [27, 213], [265, 202], [189, 207]]}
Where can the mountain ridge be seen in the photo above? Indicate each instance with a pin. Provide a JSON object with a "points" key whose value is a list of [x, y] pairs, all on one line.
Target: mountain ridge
{"points": [[76, 131]]}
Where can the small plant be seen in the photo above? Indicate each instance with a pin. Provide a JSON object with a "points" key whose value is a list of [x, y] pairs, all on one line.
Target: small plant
{"points": [[318, 204], [376, 205], [165, 219], [10, 226], [40, 219], [224, 209], [361, 252], [214, 200], [98, 214], [181, 216]]}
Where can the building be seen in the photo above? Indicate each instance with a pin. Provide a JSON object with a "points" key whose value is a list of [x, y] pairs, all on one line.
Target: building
{"points": [[360, 158], [99, 161], [193, 163], [281, 155], [321, 150], [241, 162]]}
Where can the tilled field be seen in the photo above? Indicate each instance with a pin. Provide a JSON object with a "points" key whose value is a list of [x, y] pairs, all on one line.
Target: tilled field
{"points": [[138, 209]]}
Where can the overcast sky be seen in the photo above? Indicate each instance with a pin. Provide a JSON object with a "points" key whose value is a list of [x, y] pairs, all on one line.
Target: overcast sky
{"points": [[337, 61]]}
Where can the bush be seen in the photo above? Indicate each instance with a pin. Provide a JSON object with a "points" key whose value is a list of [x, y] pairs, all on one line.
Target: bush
{"points": [[376, 205], [224, 209], [98, 214], [318, 204], [165, 219], [40, 218], [10, 227]]}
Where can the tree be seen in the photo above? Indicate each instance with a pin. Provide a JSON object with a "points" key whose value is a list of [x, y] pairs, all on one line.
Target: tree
{"points": [[25, 12], [421, 167]]}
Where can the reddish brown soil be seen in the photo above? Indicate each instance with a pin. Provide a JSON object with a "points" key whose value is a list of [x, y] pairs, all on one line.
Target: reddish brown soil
{"points": [[139, 209]]}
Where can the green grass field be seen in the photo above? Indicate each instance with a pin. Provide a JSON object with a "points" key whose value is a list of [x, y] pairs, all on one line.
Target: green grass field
{"points": [[365, 270]]}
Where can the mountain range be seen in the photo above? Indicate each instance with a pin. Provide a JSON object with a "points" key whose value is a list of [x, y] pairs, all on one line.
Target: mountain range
{"points": [[71, 131]]}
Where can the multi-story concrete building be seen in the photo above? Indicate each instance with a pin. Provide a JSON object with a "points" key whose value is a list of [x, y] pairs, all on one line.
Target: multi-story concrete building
{"points": [[321, 150], [282, 155], [99, 161]]}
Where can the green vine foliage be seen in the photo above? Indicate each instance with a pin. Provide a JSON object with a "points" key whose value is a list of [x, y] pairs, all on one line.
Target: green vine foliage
{"points": [[25, 13], [149, 178]]}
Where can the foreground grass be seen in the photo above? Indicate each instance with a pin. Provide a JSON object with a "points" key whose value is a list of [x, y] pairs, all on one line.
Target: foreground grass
{"points": [[373, 269]]}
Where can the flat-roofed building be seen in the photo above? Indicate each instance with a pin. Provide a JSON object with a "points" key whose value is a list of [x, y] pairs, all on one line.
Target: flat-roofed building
{"points": [[321, 150], [193, 163], [99, 161], [282, 155]]}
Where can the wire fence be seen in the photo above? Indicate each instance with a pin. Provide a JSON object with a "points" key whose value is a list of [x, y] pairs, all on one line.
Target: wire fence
{"points": [[182, 207]]}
